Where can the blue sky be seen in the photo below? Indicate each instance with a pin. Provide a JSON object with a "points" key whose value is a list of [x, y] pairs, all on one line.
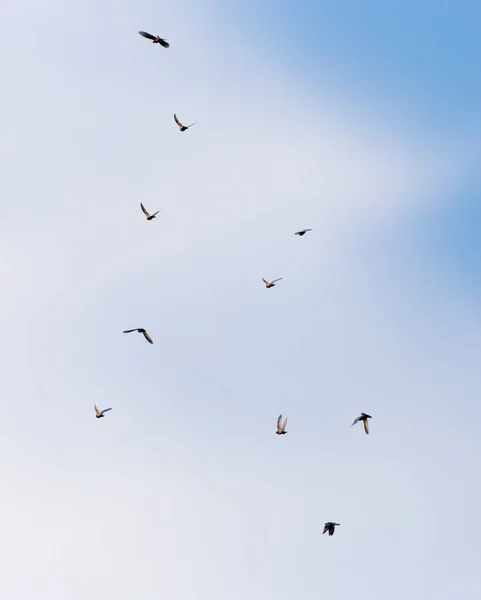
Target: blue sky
{"points": [[362, 124]]}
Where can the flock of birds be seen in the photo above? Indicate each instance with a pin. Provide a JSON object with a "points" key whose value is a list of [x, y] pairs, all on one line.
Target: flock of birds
{"points": [[281, 424]]}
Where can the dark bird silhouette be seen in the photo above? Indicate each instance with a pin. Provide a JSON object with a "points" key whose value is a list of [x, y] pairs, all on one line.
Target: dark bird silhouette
{"points": [[155, 39], [149, 217], [270, 284], [100, 413], [140, 330], [302, 232], [364, 419], [329, 526], [281, 427], [183, 127]]}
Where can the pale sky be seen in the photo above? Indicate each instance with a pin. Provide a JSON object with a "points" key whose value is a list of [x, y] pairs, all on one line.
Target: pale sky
{"points": [[362, 125]]}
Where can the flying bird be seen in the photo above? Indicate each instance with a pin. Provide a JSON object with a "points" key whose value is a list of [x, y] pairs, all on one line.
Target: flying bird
{"points": [[302, 232], [149, 217], [270, 284], [140, 330], [155, 39], [281, 427], [183, 127], [364, 419], [100, 413], [329, 526]]}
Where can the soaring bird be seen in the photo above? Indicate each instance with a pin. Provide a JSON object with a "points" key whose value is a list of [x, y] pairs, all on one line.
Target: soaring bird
{"points": [[302, 232], [140, 330], [149, 217], [183, 127], [100, 413], [270, 284], [155, 39], [281, 427], [329, 526], [364, 419]]}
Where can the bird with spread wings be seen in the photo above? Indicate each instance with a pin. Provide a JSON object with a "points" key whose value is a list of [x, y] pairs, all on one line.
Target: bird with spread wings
{"points": [[140, 330], [148, 216], [183, 127], [100, 413], [155, 39]]}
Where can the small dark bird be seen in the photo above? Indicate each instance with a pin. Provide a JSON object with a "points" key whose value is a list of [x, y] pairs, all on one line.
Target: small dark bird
{"points": [[301, 233], [155, 39], [281, 427], [140, 330], [329, 526], [364, 419], [100, 413], [149, 217], [183, 127], [270, 284]]}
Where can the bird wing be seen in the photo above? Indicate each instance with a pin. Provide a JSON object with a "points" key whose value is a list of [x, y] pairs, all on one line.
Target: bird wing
{"points": [[356, 420], [156, 213], [105, 410], [265, 281], [274, 280], [177, 121], [326, 527], [129, 330], [164, 43], [366, 426], [192, 124], [147, 337], [149, 36], [279, 422], [143, 210], [97, 412], [284, 424], [298, 232]]}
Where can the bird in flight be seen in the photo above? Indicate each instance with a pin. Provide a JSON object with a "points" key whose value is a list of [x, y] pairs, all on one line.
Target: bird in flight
{"points": [[281, 427], [155, 39], [270, 284], [140, 330], [100, 413], [302, 232], [148, 217], [183, 127], [364, 419], [329, 526]]}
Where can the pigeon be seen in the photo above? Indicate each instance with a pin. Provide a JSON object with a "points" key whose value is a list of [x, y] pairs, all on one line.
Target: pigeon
{"points": [[302, 232], [155, 39], [364, 419], [140, 330], [148, 217], [281, 427], [183, 127], [329, 526], [100, 413], [270, 284]]}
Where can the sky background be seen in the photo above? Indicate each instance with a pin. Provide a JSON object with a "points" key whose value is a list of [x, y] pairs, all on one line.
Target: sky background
{"points": [[358, 120]]}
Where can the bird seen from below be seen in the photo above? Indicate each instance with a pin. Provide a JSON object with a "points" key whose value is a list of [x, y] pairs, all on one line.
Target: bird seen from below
{"points": [[364, 419], [140, 330], [155, 39], [100, 413], [329, 526], [272, 283], [147, 215], [183, 127], [281, 427], [302, 232]]}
